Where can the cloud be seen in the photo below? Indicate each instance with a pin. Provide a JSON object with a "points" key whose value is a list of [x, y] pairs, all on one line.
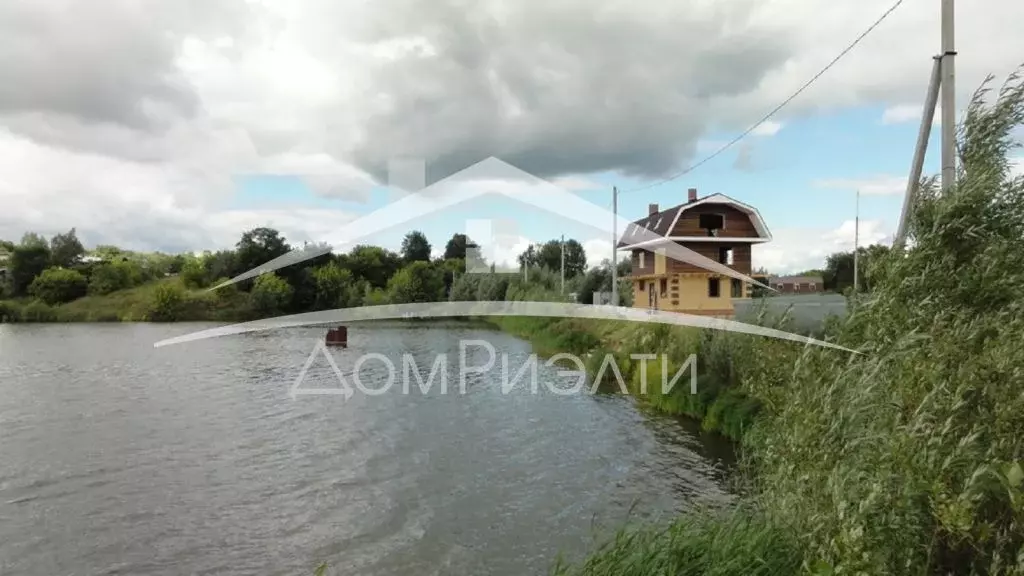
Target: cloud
{"points": [[793, 250], [872, 186], [1017, 167], [577, 183], [902, 113], [767, 128], [185, 95]]}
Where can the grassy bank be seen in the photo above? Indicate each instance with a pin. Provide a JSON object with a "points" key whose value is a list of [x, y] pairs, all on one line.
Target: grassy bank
{"points": [[161, 300], [907, 458]]}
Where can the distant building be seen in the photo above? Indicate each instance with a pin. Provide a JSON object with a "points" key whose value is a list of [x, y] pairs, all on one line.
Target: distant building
{"points": [[797, 284]]}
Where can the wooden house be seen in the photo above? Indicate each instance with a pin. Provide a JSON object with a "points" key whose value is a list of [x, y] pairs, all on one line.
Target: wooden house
{"points": [[716, 226]]}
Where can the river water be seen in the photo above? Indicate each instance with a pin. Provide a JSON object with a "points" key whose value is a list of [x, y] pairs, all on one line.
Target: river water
{"points": [[120, 458]]}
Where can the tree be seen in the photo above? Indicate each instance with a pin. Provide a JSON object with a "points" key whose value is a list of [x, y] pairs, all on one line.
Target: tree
{"points": [[270, 294], [257, 247], [193, 273], [220, 264], [58, 285], [418, 282], [112, 276], [27, 261], [416, 248], [335, 287], [530, 257], [66, 250], [372, 263], [168, 303], [550, 256], [457, 247]]}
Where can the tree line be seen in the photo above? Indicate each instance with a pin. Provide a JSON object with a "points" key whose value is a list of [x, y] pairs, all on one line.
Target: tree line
{"points": [[59, 270]]}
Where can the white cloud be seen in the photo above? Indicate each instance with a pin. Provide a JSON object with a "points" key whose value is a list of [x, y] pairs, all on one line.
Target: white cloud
{"points": [[767, 128], [902, 113], [1017, 166], [793, 250], [881, 185], [578, 183], [598, 250], [134, 136]]}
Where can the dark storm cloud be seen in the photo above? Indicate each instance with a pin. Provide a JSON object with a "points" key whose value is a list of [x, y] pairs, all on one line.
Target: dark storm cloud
{"points": [[104, 62], [554, 90]]}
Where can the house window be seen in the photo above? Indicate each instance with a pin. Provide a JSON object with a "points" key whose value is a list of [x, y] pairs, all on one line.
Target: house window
{"points": [[712, 223], [713, 287], [640, 286], [664, 286], [642, 262], [737, 288], [725, 255]]}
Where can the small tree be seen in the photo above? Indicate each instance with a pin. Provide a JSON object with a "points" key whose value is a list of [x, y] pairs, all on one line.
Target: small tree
{"points": [[417, 282], [334, 287], [58, 285], [270, 294], [193, 273], [415, 247], [168, 303], [112, 276], [27, 261], [66, 250]]}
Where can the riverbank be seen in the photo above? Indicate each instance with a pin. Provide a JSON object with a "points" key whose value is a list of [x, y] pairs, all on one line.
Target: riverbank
{"points": [[165, 300], [907, 457]]}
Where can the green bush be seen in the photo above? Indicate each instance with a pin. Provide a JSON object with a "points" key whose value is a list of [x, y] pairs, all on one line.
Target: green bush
{"points": [[193, 273], [58, 285], [10, 312], [168, 304], [113, 276], [270, 294], [37, 311]]}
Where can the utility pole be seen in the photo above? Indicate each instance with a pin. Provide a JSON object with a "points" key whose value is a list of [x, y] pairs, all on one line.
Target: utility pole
{"points": [[856, 244], [563, 263], [917, 165], [615, 248], [948, 97]]}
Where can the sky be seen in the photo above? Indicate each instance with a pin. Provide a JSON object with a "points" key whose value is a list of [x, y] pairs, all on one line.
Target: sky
{"points": [[176, 126]]}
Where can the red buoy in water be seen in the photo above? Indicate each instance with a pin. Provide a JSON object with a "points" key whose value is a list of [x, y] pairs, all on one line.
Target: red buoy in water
{"points": [[337, 337]]}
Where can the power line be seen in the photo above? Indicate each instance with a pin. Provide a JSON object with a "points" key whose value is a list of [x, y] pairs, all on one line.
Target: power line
{"points": [[775, 110]]}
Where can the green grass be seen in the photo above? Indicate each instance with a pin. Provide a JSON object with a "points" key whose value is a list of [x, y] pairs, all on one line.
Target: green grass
{"points": [[905, 459], [130, 305]]}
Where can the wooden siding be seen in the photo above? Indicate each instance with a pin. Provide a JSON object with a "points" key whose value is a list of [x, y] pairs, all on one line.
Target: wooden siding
{"points": [[648, 267], [737, 223], [740, 256]]}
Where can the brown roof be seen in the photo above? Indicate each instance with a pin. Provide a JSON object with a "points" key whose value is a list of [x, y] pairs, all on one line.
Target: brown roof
{"points": [[660, 223]]}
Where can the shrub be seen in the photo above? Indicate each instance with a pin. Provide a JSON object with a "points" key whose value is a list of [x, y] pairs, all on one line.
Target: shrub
{"points": [[10, 312], [58, 285], [270, 294], [168, 304], [113, 276], [193, 273], [37, 311]]}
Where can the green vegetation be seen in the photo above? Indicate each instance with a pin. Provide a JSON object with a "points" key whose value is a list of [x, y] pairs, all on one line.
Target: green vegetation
{"points": [[907, 458]]}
